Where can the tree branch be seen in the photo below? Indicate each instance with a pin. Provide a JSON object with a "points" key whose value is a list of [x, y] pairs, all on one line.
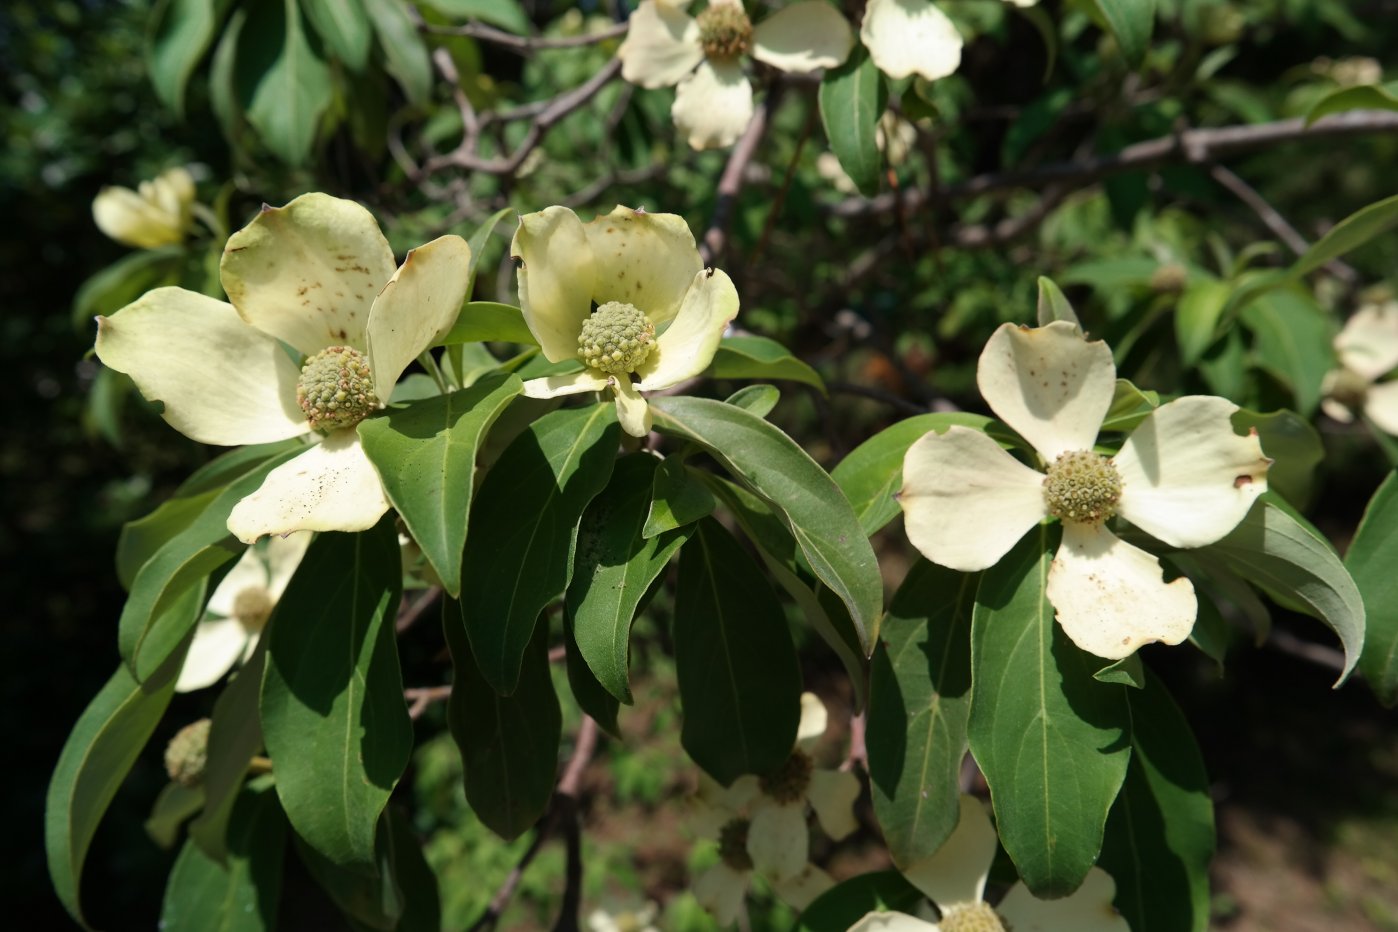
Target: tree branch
{"points": [[526, 45], [730, 183]]}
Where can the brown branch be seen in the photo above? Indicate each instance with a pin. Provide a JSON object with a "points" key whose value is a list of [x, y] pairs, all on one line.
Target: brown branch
{"points": [[730, 183], [409, 614], [1318, 654], [526, 45], [1194, 146], [423, 696], [566, 815]]}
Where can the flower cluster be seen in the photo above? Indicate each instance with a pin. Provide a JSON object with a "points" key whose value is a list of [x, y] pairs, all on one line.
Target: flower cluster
{"points": [[1183, 476], [156, 214], [1367, 349]]}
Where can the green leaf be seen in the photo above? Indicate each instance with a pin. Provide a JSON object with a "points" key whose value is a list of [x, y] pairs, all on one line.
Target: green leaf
{"points": [[1160, 834], [242, 894], [509, 744], [592, 698], [919, 701], [173, 807], [677, 498], [180, 33], [1053, 305], [125, 280], [873, 471], [370, 899], [343, 27], [478, 242], [404, 52], [1364, 97], [98, 754], [507, 14], [1371, 560], [760, 399], [147, 633], [740, 684], [283, 84], [426, 456], [1297, 569], [332, 672], [488, 322], [614, 567], [422, 900], [224, 99], [1354, 231], [852, 98], [1197, 315], [808, 500], [1293, 444], [843, 905], [235, 737], [1129, 407], [1292, 342], [524, 529], [1052, 742], [1131, 22], [1128, 671], [750, 357]]}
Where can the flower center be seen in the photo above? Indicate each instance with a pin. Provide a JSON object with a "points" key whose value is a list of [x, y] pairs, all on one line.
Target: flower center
{"points": [[733, 845], [187, 753], [252, 607], [725, 30], [336, 388], [1083, 487], [787, 784], [972, 917], [616, 338]]}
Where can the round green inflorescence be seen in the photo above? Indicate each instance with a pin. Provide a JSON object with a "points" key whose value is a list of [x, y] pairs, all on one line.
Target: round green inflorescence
{"points": [[336, 388], [725, 31], [973, 917], [252, 606], [1083, 487], [733, 845], [788, 783], [187, 753], [616, 339]]}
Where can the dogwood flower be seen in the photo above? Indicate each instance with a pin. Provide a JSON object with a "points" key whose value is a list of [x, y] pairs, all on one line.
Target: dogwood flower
{"points": [[318, 276], [156, 214], [1367, 349], [907, 37], [954, 878], [723, 887], [239, 608], [637, 920], [1182, 475], [701, 56], [628, 295]]}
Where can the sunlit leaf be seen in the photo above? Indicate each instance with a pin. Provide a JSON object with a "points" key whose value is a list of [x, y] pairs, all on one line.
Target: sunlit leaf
{"points": [[1373, 561], [852, 98]]}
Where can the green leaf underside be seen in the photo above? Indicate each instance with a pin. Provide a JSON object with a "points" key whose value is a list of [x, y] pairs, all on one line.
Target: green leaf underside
{"points": [[840, 907], [1297, 570], [99, 752], [1160, 834], [509, 744], [851, 99], [235, 737], [332, 672], [812, 506], [873, 471], [1052, 742], [1371, 560], [524, 529], [147, 633], [282, 82], [241, 893], [426, 456], [740, 684], [919, 703], [753, 357], [175, 804], [614, 566]]}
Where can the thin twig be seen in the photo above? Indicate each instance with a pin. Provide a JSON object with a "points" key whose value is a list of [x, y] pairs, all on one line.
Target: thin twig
{"points": [[1318, 654], [526, 45], [877, 394], [423, 696], [410, 613], [566, 812], [730, 183], [858, 755]]}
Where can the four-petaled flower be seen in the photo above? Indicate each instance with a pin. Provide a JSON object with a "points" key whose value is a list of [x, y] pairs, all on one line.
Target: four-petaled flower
{"points": [[659, 314], [954, 878], [702, 55], [239, 608], [156, 214], [318, 276], [1367, 349], [1183, 475]]}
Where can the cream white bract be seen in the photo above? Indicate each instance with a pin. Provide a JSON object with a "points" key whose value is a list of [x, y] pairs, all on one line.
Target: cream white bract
{"points": [[318, 276], [1367, 349], [239, 608], [907, 37], [659, 313], [1182, 476], [156, 214], [702, 57], [954, 878]]}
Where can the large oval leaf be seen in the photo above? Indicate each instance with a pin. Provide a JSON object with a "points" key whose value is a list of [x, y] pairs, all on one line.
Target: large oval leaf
{"points": [[1372, 560], [851, 99], [810, 503], [283, 84], [752, 357], [1052, 741], [333, 714], [235, 737], [181, 32], [740, 686]]}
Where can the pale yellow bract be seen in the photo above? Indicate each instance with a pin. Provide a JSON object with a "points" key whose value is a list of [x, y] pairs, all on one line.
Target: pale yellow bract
{"points": [[1367, 350], [156, 214]]}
